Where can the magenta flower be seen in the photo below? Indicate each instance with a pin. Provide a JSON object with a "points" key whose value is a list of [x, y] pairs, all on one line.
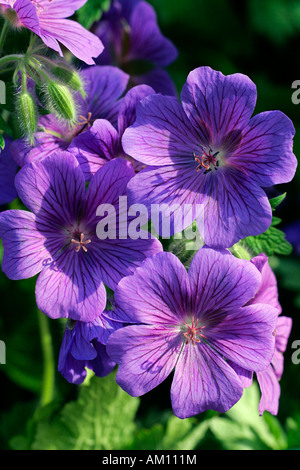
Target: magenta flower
{"points": [[209, 153], [58, 237], [83, 346], [104, 87], [269, 379], [47, 19], [131, 35], [194, 323]]}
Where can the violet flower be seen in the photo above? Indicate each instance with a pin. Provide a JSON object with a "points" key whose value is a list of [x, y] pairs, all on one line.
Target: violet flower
{"points": [[131, 36], [209, 153], [8, 170], [192, 323], [102, 141], [58, 237], [83, 346], [47, 19], [104, 87], [269, 378]]}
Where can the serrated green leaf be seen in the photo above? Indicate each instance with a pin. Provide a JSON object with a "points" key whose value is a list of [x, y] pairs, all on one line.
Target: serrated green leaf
{"points": [[102, 418], [275, 201], [92, 12], [241, 428]]}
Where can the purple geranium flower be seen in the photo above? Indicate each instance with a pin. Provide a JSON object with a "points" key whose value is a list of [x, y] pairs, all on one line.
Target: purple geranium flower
{"points": [[193, 323], [83, 346], [269, 379], [8, 170], [58, 238], [104, 87], [130, 34], [102, 142], [46, 18], [209, 154]]}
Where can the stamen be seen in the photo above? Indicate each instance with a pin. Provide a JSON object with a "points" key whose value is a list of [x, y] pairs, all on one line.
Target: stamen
{"points": [[206, 160], [80, 243], [193, 332]]}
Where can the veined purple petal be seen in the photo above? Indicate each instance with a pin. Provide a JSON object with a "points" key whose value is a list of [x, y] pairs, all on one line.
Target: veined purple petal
{"points": [[127, 113], [27, 15], [95, 147], [73, 36], [102, 365], [104, 86], [158, 79], [162, 133], [203, 381], [146, 356], [71, 369], [266, 149], [24, 246], [157, 293], [53, 188], [119, 258], [220, 283], [218, 103], [245, 336], [59, 8], [8, 170], [270, 391], [267, 292], [71, 287], [146, 40]]}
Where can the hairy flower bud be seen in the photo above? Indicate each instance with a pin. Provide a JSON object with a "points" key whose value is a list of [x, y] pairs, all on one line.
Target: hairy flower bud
{"points": [[60, 101], [69, 76], [27, 115]]}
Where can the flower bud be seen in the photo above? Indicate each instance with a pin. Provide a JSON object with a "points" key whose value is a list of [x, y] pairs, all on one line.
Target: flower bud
{"points": [[69, 76], [27, 115], [60, 101]]}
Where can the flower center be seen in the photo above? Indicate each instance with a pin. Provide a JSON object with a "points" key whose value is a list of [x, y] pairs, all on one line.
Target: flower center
{"points": [[207, 161], [80, 243], [193, 331], [84, 123]]}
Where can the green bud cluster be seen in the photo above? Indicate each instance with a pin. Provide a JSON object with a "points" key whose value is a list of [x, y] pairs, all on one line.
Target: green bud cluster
{"points": [[27, 114]]}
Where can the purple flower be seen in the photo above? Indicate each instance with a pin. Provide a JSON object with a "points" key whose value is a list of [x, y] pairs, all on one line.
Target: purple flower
{"points": [[192, 323], [209, 154], [58, 237], [269, 378], [130, 34], [46, 18], [104, 87], [83, 346], [102, 142], [8, 170], [292, 232]]}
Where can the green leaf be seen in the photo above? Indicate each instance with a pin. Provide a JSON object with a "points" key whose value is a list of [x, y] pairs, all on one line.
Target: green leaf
{"points": [[241, 428], [275, 201], [270, 242], [2, 143], [102, 418], [92, 12]]}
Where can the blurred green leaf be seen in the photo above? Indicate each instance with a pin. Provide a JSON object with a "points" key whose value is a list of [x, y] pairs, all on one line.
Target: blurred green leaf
{"points": [[92, 12], [102, 418], [241, 428], [270, 242]]}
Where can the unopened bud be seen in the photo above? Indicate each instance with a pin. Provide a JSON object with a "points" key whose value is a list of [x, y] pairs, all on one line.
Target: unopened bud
{"points": [[69, 76], [60, 101], [27, 115]]}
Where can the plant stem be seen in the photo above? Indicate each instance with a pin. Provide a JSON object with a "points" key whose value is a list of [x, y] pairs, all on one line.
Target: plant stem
{"points": [[47, 393], [10, 58], [3, 34]]}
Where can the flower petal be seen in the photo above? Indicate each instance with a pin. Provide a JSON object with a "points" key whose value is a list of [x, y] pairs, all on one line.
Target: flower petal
{"points": [[157, 293], [220, 282], [218, 104], [266, 149], [146, 356], [203, 381]]}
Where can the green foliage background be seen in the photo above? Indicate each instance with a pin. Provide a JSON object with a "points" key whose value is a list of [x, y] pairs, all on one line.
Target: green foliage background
{"points": [[261, 39]]}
